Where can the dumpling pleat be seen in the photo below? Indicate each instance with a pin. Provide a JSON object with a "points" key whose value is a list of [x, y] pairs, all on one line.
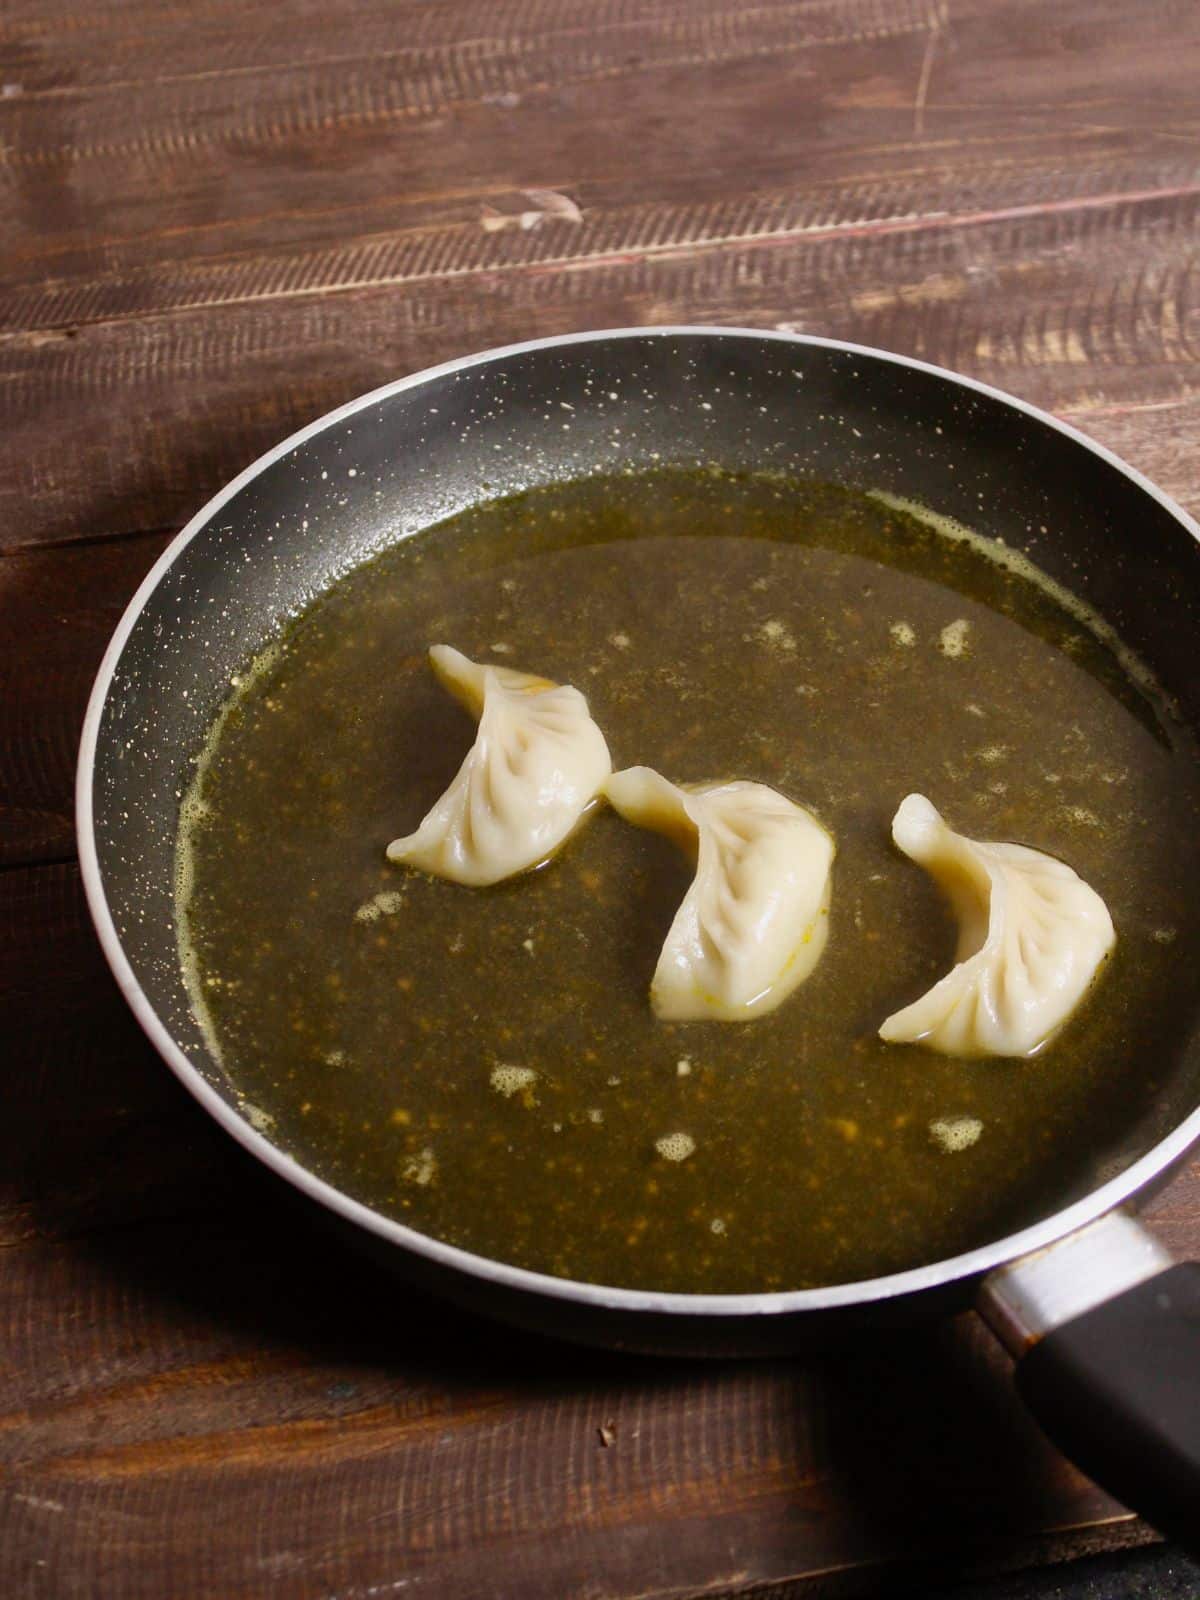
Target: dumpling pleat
{"points": [[754, 921], [1045, 935], [537, 764]]}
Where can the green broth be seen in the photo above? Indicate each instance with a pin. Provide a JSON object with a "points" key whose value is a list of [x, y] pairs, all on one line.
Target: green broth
{"points": [[721, 627]]}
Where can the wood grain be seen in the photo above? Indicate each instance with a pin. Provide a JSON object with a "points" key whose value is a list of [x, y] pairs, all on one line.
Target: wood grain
{"points": [[1081, 312], [382, 1434], [218, 221], [1033, 230], [322, 156]]}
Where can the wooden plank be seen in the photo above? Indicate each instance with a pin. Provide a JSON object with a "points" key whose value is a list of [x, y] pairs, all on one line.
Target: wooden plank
{"points": [[1158, 436], [852, 130], [544, 228], [836, 124], [1016, 232], [96, 1132], [1075, 305], [218, 84], [58, 609], [342, 1434]]}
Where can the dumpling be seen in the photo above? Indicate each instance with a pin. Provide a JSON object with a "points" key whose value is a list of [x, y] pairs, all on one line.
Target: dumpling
{"points": [[1031, 937], [537, 763], [755, 920]]}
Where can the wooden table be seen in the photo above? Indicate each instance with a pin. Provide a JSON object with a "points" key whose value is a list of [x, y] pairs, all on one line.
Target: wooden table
{"points": [[220, 219]]}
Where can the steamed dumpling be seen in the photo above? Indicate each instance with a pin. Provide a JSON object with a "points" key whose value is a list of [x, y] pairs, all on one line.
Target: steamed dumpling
{"points": [[537, 763], [754, 922], [1031, 937]]}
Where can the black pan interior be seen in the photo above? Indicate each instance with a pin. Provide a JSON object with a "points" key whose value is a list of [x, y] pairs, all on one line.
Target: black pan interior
{"points": [[407, 459]]}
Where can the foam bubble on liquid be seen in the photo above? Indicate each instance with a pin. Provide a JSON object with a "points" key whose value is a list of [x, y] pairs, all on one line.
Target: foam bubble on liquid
{"points": [[420, 1169], [953, 641], [384, 904], [261, 1121], [509, 1080], [777, 636], [675, 1146], [1081, 816], [952, 1134]]}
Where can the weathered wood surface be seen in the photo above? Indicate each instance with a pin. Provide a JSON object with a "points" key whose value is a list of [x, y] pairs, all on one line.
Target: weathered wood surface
{"points": [[219, 229], [216, 221]]}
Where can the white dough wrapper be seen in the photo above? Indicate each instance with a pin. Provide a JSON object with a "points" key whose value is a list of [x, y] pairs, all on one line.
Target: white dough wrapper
{"points": [[537, 763], [755, 920], [1031, 937]]}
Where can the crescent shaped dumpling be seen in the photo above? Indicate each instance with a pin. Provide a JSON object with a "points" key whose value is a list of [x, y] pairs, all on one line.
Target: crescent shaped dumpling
{"points": [[537, 763], [1032, 935], [755, 920]]}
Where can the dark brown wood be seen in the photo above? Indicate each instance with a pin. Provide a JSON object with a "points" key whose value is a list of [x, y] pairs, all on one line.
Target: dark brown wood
{"points": [[329, 1424], [1080, 313], [76, 596], [95, 1131], [258, 240], [217, 221]]}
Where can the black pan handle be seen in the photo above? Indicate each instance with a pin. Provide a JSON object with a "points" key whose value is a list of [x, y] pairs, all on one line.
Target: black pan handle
{"points": [[1106, 1332]]}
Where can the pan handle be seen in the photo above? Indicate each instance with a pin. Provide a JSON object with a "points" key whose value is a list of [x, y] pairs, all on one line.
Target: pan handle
{"points": [[1106, 1332]]}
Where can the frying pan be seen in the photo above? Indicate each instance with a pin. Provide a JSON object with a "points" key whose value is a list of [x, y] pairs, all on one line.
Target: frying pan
{"points": [[1106, 1329]]}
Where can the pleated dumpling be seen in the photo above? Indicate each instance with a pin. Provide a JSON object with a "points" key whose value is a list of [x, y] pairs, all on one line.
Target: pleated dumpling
{"points": [[1032, 935], [537, 763], [754, 922]]}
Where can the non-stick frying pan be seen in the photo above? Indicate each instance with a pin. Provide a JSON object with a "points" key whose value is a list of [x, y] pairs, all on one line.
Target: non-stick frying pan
{"points": [[1106, 1329]]}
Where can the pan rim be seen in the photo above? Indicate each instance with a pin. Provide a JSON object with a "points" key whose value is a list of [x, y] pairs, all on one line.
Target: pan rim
{"points": [[966, 1267]]}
